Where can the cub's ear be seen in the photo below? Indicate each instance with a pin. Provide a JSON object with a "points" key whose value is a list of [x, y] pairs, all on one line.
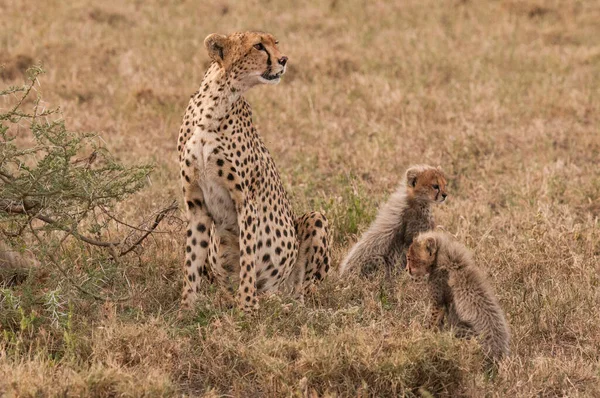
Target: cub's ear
{"points": [[411, 177], [441, 171], [431, 245], [217, 47]]}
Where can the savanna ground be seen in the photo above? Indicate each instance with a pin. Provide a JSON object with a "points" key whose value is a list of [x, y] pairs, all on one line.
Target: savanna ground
{"points": [[503, 94]]}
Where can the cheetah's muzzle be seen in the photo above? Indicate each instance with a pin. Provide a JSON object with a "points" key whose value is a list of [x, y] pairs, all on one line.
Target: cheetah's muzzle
{"points": [[268, 76]]}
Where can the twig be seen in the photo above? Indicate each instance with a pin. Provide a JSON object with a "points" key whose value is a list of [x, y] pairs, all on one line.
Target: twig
{"points": [[119, 221], [12, 208], [76, 234], [159, 217], [26, 90]]}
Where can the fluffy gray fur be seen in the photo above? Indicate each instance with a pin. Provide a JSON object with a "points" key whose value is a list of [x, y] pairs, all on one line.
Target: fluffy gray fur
{"points": [[398, 221], [462, 290]]}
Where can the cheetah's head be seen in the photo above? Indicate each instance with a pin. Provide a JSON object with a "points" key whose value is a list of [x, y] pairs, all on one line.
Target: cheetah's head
{"points": [[421, 255], [426, 183], [248, 58]]}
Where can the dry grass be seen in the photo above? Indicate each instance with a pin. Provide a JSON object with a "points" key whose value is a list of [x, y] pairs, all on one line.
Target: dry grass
{"points": [[504, 95]]}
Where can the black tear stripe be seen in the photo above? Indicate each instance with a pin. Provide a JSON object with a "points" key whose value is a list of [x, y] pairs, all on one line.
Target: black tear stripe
{"points": [[268, 58]]}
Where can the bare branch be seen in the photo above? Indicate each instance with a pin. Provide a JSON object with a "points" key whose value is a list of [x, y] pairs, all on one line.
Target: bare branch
{"points": [[159, 217], [11, 207], [24, 208], [76, 234], [128, 225]]}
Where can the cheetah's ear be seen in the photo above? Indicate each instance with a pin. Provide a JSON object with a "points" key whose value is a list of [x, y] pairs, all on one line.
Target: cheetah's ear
{"points": [[217, 47], [431, 245], [411, 177]]}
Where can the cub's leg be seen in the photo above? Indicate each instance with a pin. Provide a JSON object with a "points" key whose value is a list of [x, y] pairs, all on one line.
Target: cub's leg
{"points": [[196, 249], [436, 320], [312, 263], [439, 303]]}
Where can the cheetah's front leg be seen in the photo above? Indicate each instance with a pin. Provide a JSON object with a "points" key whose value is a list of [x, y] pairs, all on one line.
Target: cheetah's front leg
{"points": [[312, 264], [196, 249], [247, 221], [222, 169]]}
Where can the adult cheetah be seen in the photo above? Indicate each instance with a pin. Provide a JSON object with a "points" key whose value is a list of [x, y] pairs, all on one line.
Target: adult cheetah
{"points": [[241, 228]]}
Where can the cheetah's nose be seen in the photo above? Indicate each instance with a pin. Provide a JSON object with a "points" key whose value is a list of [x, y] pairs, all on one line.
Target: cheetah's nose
{"points": [[283, 60], [444, 196]]}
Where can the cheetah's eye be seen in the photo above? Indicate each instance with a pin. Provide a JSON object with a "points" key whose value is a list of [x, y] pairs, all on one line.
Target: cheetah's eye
{"points": [[436, 187], [276, 41], [259, 47]]}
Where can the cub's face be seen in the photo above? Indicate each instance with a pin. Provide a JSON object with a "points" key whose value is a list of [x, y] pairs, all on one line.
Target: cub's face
{"points": [[421, 256], [427, 183], [249, 58]]}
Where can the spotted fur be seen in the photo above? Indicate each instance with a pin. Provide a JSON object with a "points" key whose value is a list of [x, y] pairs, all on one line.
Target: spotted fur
{"points": [[241, 228]]}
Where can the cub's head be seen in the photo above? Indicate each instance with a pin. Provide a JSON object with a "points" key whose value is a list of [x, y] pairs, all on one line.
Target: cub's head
{"points": [[426, 183], [248, 58], [421, 255]]}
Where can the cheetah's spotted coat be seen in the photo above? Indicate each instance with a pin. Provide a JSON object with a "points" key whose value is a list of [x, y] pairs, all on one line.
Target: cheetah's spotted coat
{"points": [[241, 227]]}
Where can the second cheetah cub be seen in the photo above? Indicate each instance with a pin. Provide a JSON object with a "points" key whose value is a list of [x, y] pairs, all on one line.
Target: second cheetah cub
{"points": [[406, 213], [460, 291]]}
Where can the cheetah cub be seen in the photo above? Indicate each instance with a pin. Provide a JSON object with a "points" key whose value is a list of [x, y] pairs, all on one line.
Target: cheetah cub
{"points": [[460, 291], [406, 213]]}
